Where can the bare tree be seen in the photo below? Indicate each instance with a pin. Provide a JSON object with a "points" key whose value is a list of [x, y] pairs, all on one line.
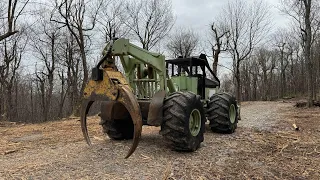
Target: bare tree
{"points": [[316, 58], [63, 91], [45, 45], [247, 24], [266, 62], [11, 51], [112, 20], [72, 63], [12, 13], [74, 15], [293, 50], [246, 80], [183, 43], [226, 83], [306, 15], [41, 87], [283, 66], [220, 35], [149, 20]]}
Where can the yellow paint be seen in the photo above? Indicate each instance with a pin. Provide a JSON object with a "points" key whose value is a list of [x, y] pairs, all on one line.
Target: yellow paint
{"points": [[108, 86]]}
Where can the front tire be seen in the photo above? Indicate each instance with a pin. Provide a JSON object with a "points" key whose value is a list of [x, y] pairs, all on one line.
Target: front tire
{"points": [[183, 121], [222, 113], [119, 129]]}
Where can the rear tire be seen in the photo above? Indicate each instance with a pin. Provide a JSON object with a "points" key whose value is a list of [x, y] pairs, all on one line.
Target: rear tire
{"points": [[183, 121], [118, 129], [222, 113]]}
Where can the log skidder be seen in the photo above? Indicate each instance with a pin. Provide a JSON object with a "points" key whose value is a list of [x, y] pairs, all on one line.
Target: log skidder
{"points": [[148, 94]]}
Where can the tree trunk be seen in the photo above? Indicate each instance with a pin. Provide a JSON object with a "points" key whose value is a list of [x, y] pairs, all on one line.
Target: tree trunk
{"points": [[238, 85], [31, 102], [85, 73], [9, 105], [1, 101], [215, 60], [318, 77], [49, 95], [62, 96], [283, 83], [50, 76], [283, 77], [16, 98], [271, 85], [254, 95], [266, 86], [308, 35]]}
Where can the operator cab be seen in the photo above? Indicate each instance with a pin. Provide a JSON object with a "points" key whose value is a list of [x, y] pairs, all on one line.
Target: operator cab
{"points": [[191, 74]]}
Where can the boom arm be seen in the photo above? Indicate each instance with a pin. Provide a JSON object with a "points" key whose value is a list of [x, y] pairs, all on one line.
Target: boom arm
{"points": [[122, 48]]}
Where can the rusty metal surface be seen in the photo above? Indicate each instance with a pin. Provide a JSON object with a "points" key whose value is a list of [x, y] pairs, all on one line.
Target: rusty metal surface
{"points": [[144, 108], [113, 87], [111, 110], [155, 114], [128, 99], [106, 111], [84, 111]]}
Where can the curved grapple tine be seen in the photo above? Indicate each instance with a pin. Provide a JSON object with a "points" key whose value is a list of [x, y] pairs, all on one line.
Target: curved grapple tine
{"points": [[128, 99], [84, 111]]}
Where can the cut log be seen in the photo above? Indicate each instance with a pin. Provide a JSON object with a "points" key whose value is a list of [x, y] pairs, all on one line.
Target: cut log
{"points": [[295, 127], [304, 104], [301, 104]]}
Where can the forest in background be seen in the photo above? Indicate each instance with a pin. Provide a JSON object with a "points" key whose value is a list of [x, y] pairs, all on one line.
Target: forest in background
{"points": [[58, 40]]}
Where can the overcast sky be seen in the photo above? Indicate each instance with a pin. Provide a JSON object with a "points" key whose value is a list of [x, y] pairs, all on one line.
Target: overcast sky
{"points": [[198, 14]]}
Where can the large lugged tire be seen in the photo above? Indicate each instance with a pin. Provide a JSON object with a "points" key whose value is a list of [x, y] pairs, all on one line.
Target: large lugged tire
{"points": [[118, 129], [184, 121], [222, 113]]}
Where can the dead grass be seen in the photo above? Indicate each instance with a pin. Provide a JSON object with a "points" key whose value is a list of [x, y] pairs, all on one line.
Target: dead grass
{"points": [[56, 150]]}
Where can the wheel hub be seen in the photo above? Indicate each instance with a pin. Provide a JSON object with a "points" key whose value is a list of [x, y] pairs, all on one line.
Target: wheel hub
{"points": [[232, 113], [195, 122]]}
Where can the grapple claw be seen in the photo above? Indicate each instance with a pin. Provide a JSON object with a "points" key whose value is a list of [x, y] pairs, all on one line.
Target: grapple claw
{"points": [[127, 98], [84, 111]]}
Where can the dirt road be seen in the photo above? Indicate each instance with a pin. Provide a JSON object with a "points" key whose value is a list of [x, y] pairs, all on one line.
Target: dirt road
{"points": [[264, 146]]}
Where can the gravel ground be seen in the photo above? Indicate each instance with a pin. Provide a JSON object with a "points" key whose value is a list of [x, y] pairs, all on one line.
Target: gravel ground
{"points": [[262, 115], [264, 146]]}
